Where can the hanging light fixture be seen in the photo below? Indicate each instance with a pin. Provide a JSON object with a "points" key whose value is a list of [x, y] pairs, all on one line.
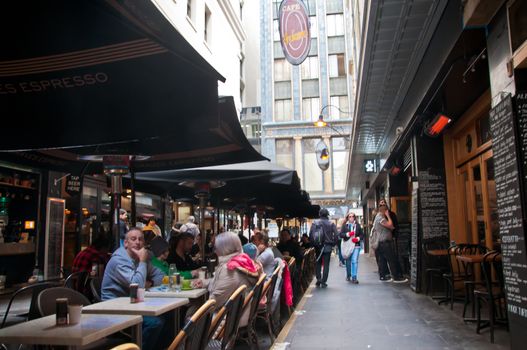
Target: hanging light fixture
{"points": [[320, 123]]}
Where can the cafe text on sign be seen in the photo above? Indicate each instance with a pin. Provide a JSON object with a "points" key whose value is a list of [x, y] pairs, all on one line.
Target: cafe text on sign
{"points": [[295, 35]]}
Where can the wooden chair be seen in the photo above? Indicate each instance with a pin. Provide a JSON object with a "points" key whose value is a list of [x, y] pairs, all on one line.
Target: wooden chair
{"points": [[34, 290], [436, 266], [224, 328], [266, 313], [194, 334], [252, 300], [493, 294], [127, 346], [46, 299]]}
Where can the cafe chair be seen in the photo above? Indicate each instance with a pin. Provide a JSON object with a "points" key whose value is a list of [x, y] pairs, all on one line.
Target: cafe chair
{"points": [[46, 299], [194, 335], [266, 312], [77, 281], [224, 328], [436, 265], [95, 288], [127, 346], [247, 333], [33, 290], [492, 295], [470, 281]]}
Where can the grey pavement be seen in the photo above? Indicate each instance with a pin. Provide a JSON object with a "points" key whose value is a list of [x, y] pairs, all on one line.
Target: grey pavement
{"points": [[379, 315]]}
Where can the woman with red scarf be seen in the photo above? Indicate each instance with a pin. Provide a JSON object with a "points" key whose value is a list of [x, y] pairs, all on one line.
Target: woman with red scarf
{"points": [[351, 229]]}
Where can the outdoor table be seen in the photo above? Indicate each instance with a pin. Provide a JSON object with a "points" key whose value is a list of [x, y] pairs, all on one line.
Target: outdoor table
{"points": [[149, 307], [91, 328], [167, 293], [438, 252]]}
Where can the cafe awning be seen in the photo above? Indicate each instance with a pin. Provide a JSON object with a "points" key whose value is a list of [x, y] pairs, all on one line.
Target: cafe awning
{"points": [[81, 79]]}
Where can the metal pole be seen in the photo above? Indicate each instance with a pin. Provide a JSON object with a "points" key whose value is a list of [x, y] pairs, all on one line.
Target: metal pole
{"points": [[117, 189], [202, 202], [133, 213]]}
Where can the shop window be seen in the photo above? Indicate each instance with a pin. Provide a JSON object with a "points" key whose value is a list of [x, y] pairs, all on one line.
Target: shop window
{"points": [[483, 126]]}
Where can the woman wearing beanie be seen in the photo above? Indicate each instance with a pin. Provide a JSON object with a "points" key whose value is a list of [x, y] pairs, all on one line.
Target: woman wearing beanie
{"points": [[351, 230]]}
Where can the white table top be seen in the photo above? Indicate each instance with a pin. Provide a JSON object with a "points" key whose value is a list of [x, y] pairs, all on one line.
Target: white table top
{"points": [[190, 294], [44, 331], [122, 306]]}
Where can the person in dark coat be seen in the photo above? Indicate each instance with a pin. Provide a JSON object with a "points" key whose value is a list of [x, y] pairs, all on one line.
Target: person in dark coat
{"points": [[351, 229]]}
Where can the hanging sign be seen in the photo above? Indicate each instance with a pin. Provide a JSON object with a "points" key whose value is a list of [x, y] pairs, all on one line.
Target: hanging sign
{"points": [[73, 185], [295, 35], [370, 166]]}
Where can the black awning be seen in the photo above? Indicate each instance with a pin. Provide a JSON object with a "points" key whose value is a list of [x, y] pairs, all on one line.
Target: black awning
{"points": [[95, 77]]}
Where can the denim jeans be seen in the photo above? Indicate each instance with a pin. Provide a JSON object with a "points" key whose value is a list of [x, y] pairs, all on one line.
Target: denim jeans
{"points": [[352, 263], [339, 251]]}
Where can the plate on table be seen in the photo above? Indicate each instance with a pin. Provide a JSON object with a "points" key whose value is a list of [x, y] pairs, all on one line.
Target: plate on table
{"points": [[189, 288]]}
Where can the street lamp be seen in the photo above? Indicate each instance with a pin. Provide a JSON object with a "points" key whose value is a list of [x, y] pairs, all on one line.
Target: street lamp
{"points": [[320, 122]]}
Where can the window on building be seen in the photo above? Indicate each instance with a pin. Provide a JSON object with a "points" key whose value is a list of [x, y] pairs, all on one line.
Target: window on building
{"points": [[339, 162], [341, 102], [189, 8], [282, 70], [312, 176], [276, 31], [310, 108], [311, 7], [314, 26], [285, 153], [283, 110], [310, 68], [334, 6], [335, 24], [208, 26], [337, 65]]}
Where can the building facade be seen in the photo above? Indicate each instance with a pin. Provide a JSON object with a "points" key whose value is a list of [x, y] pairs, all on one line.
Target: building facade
{"points": [[215, 31], [293, 97]]}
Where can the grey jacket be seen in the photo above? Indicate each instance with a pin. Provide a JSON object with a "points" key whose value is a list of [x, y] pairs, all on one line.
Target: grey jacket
{"points": [[122, 270]]}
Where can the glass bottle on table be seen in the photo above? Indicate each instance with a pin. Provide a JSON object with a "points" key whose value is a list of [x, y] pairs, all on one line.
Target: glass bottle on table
{"points": [[172, 270]]}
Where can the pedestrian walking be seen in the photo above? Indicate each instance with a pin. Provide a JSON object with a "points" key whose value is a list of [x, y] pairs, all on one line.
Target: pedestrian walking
{"points": [[385, 250], [323, 234], [340, 223], [352, 236]]}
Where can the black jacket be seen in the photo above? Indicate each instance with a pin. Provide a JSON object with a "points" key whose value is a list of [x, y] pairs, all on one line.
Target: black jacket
{"points": [[358, 232]]}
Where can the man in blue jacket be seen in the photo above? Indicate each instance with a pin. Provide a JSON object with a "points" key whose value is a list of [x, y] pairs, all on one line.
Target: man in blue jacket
{"points": [[131, 264]]}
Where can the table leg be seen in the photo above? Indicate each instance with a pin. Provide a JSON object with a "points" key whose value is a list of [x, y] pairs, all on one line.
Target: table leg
{"points": [[176, 321], [137, 334]]}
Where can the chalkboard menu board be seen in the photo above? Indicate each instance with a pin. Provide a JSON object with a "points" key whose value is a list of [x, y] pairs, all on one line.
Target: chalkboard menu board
{"points": [[415, 251], [433, 203], [521, 110], [54, 252], [508, 180]]}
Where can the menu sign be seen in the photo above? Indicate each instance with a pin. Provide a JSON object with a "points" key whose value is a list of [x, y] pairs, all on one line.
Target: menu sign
{"points": [[53, 259], [433, 204], [521, 110], [73, 185], [508, 181], [414, 251]]}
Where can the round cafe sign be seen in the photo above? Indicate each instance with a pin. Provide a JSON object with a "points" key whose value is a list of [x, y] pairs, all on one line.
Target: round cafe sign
{"points": [[295, 36]]}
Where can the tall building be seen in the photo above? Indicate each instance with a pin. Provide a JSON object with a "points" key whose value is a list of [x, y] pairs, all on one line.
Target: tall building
{"points": [[293, 97], [215, 31]]}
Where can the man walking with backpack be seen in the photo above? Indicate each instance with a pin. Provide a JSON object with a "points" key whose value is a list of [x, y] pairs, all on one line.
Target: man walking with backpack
{"points": [[323, 234]]}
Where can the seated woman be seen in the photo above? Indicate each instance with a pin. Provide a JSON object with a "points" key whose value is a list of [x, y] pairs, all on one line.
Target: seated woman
{"points": [[180, 248], [234, 269]]}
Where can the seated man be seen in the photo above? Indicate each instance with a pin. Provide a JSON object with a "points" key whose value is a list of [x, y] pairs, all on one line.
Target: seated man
{"points": [[131, 264], [96, 253], [288, 246], [180, 255], [305, 243]]}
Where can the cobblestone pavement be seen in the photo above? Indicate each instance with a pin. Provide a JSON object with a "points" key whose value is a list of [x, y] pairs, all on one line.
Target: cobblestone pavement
{"points": [[377, 315]]}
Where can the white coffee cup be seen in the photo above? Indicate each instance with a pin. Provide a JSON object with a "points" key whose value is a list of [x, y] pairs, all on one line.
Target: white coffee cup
{"points": [[74, 313], [140, 294]]}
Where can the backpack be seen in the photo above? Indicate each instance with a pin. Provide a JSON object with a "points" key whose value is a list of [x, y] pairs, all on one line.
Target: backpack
{"points": [[317, 234]]}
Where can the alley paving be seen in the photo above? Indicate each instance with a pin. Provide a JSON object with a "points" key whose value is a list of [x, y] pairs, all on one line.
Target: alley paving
{"points": [[377, 315]]}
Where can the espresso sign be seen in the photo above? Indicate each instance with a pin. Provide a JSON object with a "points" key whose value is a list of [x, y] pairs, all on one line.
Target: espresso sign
{"points": [[295, 35]]}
